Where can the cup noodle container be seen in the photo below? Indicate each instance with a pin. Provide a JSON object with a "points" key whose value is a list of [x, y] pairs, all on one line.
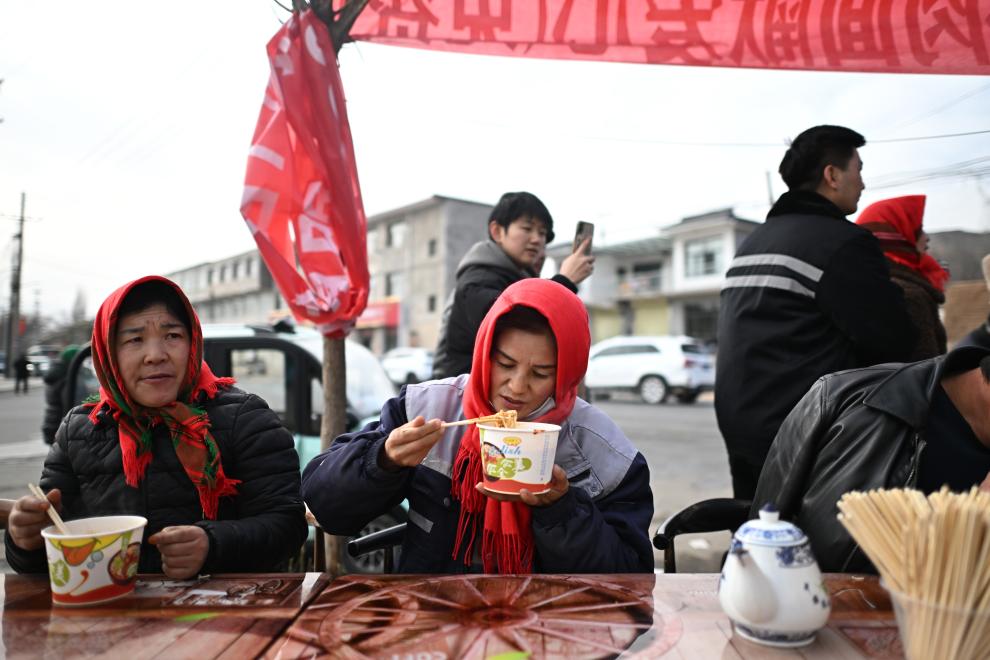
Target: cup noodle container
{"points": [[97, 561], [517, 458]]}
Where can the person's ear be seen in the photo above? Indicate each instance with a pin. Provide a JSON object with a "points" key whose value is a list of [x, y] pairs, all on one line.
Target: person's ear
{"points": [[830, 177], [495, 231]]}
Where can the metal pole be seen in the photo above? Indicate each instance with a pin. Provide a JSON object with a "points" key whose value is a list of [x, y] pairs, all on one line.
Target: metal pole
{"points": [[13, 317]]}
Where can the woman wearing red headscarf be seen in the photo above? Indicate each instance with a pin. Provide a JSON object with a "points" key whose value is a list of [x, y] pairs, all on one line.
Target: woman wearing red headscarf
{"points": [[530, 355], [897, 224], [211, 467]]}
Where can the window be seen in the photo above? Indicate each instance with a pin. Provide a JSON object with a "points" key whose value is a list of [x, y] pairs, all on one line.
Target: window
{"points": [[223, 273], [431, 303], [703, 256], [701, 320], [431, 247], [393, 284], [209, 276], [394, 233], [248, 267], [235, 268], [263, 372]]}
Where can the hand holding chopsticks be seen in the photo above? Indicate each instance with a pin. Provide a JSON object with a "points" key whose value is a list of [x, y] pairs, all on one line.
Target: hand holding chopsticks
{"points": [[52, 513]]}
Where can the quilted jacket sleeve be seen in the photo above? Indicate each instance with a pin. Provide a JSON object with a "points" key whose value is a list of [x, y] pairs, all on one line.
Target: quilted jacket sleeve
{"points": [[270, 523], [610, 535], [56, 473], [345, 487]]}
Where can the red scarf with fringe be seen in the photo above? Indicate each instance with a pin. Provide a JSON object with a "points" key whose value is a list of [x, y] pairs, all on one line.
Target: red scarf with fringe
{"points": [[188, 426], [896, 223], [507, 538]]}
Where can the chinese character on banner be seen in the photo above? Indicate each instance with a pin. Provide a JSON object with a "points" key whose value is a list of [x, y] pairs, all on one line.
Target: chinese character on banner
{"points": [[302, 201]]}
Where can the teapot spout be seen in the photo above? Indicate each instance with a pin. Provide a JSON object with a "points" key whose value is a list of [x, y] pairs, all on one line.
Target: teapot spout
{"points": [[746, 594]]}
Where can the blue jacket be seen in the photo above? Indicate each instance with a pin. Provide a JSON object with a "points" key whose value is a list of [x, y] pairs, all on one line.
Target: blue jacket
{"points": [[601, 525]]}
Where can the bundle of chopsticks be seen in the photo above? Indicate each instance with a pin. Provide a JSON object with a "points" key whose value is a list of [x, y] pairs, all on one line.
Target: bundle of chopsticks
{"points": [[505, 419], [934, 550]]}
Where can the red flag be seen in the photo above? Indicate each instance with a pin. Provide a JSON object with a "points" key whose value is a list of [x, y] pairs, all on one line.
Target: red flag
{"points": [[302, 200], [895, 36]]}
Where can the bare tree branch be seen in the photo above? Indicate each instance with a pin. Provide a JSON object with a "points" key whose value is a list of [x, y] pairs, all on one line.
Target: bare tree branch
{"points": [[340, 29]]}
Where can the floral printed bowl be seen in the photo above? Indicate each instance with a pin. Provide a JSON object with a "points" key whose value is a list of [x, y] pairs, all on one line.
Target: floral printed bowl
{"points": [[97, 561], [518, 458]]}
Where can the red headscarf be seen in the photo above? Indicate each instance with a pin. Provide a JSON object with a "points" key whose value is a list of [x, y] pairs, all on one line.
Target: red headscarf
{"points": [[507, 539], [896, 223], [189, 426]]}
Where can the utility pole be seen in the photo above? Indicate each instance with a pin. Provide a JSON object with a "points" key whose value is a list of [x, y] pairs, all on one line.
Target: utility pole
{"points": [[13, 317], [769, 188]]}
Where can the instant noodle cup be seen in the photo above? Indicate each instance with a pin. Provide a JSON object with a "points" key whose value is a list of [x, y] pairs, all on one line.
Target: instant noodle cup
{"points": [[519, 457], [97, 561]]}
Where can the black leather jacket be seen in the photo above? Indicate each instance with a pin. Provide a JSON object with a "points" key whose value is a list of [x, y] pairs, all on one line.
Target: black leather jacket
{"points": [[853, 430]]}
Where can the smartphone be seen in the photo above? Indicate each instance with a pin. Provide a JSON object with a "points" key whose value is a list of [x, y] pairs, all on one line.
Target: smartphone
{"points": [[584, 231]]}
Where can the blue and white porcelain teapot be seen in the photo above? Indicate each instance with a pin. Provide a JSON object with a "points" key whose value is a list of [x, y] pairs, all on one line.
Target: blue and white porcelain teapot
{"points": [[771, 587]]}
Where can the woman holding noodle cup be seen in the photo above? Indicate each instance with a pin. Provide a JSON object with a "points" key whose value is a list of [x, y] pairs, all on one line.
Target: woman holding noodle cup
{"points": [[208, 467], [590, 509]]}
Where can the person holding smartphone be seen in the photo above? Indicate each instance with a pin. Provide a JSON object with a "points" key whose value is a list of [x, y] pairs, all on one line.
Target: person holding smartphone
{"points": [[519, 228]]}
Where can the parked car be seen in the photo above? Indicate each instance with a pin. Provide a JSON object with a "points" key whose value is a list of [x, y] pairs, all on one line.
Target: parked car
{"points": [[654, 367], [40, 358], [408, 364], [38, 365], [283, 366]]}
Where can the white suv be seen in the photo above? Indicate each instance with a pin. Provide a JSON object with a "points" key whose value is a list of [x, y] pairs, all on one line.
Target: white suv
{"points": [[655, 367]]}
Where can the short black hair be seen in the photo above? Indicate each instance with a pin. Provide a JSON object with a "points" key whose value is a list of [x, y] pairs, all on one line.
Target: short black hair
{"points": [[526, 319], [515, 205], [812, 150], [151, 293], [985, 368]]}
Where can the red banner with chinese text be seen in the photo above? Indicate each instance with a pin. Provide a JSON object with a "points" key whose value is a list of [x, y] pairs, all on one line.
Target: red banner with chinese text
{"points": [[892, 36], [302, 201]]}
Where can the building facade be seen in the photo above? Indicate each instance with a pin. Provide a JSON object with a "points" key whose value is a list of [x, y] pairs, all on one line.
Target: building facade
{"points": [[413, 254], [237, 289], [667, 284]]}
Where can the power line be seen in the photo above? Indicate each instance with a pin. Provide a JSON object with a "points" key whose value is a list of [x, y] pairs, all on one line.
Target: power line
{"points": [[945, 106], [931, 137]]}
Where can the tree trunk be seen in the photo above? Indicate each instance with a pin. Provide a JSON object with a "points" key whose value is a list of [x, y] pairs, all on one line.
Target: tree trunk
{"points": [[334, 423]]}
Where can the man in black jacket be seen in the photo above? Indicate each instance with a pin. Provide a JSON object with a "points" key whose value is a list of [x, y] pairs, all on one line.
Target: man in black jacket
{"points": [[807, 294], [921, 425], [519, 228]]}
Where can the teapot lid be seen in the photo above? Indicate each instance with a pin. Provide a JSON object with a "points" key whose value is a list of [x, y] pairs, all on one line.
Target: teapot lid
{"points": [[769, 529]]}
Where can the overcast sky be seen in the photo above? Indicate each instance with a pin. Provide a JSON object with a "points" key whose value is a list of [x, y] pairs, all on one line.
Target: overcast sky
{"points": [[127, 124]]}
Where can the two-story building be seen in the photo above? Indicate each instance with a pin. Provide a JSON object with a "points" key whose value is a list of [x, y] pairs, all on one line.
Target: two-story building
{"points": [[666, 284]]}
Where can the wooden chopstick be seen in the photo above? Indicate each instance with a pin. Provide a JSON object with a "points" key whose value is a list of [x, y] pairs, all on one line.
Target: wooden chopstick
{"points": [[52, 513], [465, 422], [477, 420]]}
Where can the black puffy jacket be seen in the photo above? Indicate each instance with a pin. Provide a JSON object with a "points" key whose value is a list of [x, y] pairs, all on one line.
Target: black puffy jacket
{"points": [[854, 430], [482, 275], [54, 384], [255, 530]]}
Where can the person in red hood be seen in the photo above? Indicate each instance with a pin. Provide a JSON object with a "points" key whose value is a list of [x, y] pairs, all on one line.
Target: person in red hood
{"points": [[530, 355], [210, 466], [897, 224]]}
